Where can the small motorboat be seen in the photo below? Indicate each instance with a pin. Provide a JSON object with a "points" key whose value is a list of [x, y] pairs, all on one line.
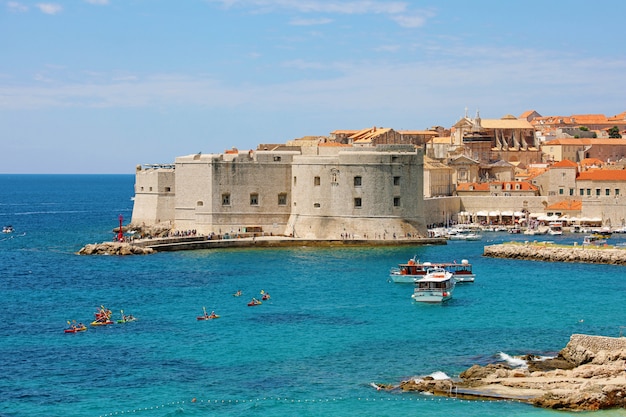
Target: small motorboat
{"points": [[437, 286], [7, 229]]}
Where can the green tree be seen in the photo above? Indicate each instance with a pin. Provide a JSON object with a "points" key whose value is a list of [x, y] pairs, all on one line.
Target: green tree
{"points": [[614, 133]]}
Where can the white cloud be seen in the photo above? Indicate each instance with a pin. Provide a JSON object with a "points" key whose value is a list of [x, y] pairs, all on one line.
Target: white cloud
{"points": [[98, 2], [414, 20], [321, 6], [310, 22], [49, 8], [14, 6]]}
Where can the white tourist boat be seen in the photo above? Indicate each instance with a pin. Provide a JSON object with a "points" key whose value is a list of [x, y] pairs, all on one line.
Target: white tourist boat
{"points": [[463, 234], [410, 272], [436, 287], [555, 228], [7, 229]]}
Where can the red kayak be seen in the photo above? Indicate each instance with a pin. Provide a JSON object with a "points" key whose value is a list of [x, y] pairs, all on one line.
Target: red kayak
{"points": [[76, 329], [254, 303], [208, 317]]}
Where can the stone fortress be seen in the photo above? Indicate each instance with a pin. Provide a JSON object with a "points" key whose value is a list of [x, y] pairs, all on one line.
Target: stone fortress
{"points": [[378, 183], [319, 193]]}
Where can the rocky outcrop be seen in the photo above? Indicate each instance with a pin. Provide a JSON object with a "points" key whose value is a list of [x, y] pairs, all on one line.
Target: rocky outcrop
{"points": [[588, 374], [114, 248], [538, 251]]}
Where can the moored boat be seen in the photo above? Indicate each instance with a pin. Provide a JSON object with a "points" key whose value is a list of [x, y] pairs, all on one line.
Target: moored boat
{"points": [[413, 270], [7, 229], [436, 287]]}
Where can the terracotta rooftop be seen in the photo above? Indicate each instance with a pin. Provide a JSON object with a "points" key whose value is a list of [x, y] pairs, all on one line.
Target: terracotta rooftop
{"points": [[572, 205], [603, 175], [565, 163]]}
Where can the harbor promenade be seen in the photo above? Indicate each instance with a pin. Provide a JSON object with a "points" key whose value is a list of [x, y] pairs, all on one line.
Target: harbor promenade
{"points": [[203, 242]]}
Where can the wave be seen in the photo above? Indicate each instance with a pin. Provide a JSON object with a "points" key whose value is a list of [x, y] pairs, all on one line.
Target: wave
{"points": [[513, 361]]}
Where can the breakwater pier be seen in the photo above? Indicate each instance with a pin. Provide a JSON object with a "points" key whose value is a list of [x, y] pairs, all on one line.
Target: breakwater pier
{"points": [[169, 244], [549, 252]]}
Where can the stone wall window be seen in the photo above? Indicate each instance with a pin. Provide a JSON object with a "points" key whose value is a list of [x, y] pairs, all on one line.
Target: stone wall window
{"points": [[582, 191], [597, 191], [168, 189], [571, 191], [199, 203], [607, 191], [357, 202], [617, 191], [295, 180], [561, 191], [396, 201], [277, 159], [226, 199], [358, 181], [316, 205], [396, 180], [254, 199], [316, 181], [334, 177], [282, 199]]}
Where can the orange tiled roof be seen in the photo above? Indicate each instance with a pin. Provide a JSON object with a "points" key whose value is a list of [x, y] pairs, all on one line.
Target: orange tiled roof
{"points": [[565, 163], [603, 175], [333, 144], [572, 205], [591, 161], [586, 142]]}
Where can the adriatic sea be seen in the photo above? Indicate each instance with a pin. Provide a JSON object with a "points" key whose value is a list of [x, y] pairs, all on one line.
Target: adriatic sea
{"points": [[334, 323]]}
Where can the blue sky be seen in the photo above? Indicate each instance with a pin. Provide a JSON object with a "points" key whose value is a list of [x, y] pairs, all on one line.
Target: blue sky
{"points": [[100, 86]]}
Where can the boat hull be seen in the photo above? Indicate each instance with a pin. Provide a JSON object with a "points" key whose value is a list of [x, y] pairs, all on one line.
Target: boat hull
{"points": [[432, 297]]}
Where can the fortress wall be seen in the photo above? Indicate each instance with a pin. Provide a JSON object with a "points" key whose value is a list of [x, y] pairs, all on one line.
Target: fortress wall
{"points": [[331, 194], [331, 228], [154, 196]]}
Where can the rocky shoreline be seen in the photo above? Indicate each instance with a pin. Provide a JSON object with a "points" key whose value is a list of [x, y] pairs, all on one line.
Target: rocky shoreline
{"points": [[541, 251], [588, 374], [114, 248]]}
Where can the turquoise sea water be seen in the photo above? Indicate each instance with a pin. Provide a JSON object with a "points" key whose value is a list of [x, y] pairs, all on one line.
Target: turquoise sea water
{"points": [[334, 323]]}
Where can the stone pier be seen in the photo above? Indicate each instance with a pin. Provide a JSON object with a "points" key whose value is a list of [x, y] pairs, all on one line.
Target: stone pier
{"points": [[541, 251]]}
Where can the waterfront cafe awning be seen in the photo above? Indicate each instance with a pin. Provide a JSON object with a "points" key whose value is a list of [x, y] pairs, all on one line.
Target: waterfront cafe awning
{"points": [[507, 213], [482, 214], [495, 213], [518, 214]]}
